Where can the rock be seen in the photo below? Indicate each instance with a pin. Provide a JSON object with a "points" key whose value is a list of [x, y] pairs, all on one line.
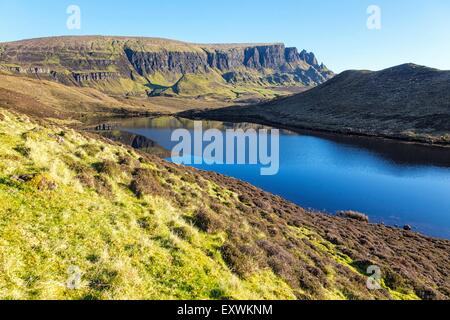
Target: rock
{"points": [[23, 177], [309, 58], [427, 293], [94, 76], [58, 139], [334, 238], [407, 228], [47, 185], [354, 215]]}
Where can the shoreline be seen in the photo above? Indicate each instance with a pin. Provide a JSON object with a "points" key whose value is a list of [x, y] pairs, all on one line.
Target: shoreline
{"points": [[203, 115]]}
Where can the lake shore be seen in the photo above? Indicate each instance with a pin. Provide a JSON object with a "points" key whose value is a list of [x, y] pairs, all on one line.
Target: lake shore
{"points": [[225, 115], [372, 165]]}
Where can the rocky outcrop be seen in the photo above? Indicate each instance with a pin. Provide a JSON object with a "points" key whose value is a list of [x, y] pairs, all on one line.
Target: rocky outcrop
{"points": [[259, 57], [309, 58], [38, 70], [29, 70], [13, 69], [147, 63], [94, 76], [286, 65], [254, 57]]}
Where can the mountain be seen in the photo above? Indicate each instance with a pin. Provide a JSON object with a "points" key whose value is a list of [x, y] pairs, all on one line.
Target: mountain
{"points": [[407, 102], [151, 66], [85, 218]]}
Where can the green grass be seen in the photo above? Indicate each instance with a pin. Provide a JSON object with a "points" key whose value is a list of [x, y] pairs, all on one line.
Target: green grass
{"points": [[124, 246]]}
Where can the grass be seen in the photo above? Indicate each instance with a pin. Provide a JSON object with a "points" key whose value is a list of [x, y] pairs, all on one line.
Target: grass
{"points": [[211, 85], [159, 79], [344, 260], [51, 100], [45, 232], [30, 95]]}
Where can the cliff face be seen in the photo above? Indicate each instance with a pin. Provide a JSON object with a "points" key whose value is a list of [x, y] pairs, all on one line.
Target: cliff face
{"points": [[255, 57], [149, 63], [276, 57], [156, 66]]}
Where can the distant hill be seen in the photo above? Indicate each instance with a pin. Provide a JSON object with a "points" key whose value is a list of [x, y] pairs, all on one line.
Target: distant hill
{"points": [[406, 102], [152, 66]]}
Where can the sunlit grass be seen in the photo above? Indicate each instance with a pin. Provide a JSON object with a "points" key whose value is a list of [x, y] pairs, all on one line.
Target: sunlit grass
{"points": [[125, 247]]}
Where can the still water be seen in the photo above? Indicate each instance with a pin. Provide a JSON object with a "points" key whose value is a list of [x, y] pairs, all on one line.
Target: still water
{"points": [[394, 183]]}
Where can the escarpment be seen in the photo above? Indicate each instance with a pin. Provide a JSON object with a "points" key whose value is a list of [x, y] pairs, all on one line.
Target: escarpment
{"points": [[156, 66]]}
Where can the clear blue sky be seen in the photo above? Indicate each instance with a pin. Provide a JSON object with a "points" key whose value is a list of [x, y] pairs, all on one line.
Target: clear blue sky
{"points": [[412, 30]]}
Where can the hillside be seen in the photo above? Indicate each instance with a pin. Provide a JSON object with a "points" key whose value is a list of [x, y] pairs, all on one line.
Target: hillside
{"points": [[153, 67], [76, 105], [407, 102], [115, 223]]}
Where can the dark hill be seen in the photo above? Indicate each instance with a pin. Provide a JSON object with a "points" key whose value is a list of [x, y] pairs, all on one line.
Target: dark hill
{"points": [[406, 102]]}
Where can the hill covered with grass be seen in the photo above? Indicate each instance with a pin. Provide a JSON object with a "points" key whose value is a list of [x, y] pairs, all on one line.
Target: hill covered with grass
{"points": [[82, 217], [78, 105], [407, 102], [134, 66]]}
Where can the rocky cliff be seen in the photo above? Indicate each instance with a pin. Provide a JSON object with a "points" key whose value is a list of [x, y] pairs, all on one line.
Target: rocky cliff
{"points": [[157, 66]]}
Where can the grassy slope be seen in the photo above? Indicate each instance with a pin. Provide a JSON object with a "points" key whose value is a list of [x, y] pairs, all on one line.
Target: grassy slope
{"points": [[212, 86], [138, 227], [126, 246], [47, 99], [50, 99]]}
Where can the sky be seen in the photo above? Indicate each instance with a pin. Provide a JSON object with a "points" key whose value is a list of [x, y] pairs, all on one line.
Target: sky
{"points": [[416, 31]]}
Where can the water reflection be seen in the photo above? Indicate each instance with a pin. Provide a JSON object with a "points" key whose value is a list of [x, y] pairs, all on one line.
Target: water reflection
{"points": [[395, 183]]}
